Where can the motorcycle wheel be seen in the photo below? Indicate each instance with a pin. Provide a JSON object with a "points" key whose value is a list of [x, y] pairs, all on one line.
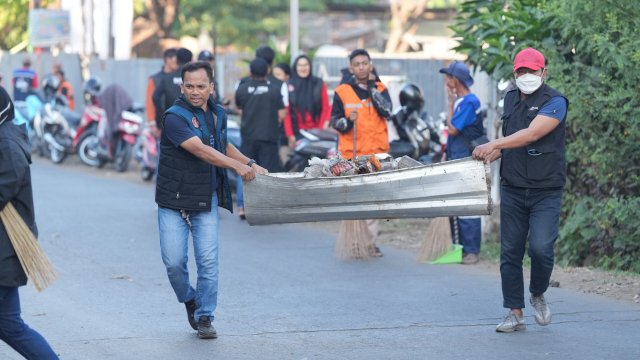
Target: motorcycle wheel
{"points": [[87, 149], [147, 173], [57, 156], [123, 155]]}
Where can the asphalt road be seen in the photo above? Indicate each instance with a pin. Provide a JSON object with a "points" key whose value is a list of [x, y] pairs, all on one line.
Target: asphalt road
{"points": [[283, 294]]}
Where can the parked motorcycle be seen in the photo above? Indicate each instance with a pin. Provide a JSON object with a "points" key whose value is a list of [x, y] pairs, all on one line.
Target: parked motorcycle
{"points": [[146, 153], [86, 138], [55, 125], [419, 136], [101, 142], [313, 143], [25, 112]]}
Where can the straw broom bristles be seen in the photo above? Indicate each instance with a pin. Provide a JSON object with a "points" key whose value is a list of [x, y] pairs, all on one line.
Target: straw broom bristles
{"points": [[354, 240], [437, 241], [33, 260]]}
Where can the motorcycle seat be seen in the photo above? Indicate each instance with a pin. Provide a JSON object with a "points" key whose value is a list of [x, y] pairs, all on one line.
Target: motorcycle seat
{"points": [[401, 148], [323, 134], [136, 108], [73, 118]]}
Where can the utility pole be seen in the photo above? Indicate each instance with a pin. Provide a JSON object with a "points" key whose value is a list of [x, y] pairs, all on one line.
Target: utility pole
{"points": [[294, 14]]}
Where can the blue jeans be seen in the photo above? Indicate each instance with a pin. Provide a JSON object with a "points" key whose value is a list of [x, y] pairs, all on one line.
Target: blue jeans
{"points": [[26, 341], [174, 239], [466, 231], [533, 214], [239, 194]]}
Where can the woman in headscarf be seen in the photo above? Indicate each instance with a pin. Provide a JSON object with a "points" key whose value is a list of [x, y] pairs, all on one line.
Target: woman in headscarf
{"points": [[308, 101]]}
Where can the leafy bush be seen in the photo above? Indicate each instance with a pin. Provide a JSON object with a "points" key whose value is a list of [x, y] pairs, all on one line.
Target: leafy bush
{"points": [[593, 56]]}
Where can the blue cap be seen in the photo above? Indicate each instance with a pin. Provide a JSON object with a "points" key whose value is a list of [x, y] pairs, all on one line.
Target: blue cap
{"points": [[460, 71]]}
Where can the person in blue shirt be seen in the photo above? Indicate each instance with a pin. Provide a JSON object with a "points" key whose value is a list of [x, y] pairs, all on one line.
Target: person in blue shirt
{"points": [[464, 126]]}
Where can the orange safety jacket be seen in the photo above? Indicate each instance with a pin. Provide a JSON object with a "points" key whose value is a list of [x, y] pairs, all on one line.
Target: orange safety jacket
{"points": [[370, 127], [65, 89]]}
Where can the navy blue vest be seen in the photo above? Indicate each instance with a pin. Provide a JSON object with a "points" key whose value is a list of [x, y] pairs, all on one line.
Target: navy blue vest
{"points": [[184, 181], [540, 164]]}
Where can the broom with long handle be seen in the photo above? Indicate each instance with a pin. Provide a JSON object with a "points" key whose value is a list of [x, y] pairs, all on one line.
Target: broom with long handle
{"points": [[33, 260], [354, 239]]}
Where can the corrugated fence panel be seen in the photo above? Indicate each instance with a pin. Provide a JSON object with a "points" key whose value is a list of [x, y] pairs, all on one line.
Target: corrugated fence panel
{"points": [[132, 75]]}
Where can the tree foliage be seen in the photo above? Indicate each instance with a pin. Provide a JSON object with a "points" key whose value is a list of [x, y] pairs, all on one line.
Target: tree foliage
{"points": [[14, 21], [243, 23], [593, 56]]}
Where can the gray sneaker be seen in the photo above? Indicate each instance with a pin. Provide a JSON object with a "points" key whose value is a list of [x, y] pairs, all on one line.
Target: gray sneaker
{"points": [[206, 329], [543, 314], [511, 323]]}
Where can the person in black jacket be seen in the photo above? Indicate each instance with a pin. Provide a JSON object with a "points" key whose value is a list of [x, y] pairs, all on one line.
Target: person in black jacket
{"points": [[168, 88], [15, 188], [192, 182], [533, 173]]}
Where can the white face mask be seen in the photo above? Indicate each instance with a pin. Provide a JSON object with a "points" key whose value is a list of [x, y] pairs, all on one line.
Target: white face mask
{"points": [[528, 83]]}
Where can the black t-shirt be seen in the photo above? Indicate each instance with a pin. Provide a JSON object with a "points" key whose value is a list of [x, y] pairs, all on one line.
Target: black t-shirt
{"points": [[260, 101], [166, 92]]}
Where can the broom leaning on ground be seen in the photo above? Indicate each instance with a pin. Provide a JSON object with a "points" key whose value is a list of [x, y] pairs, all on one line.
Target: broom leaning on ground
{"points": [[33, 260], [437, 241]]}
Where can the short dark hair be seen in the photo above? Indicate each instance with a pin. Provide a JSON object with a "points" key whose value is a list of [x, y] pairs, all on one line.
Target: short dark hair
{"points": [[169, 53], [195, 66], [259, 67], [184, 56], [285, 67], [357, 52], [266, 52]]}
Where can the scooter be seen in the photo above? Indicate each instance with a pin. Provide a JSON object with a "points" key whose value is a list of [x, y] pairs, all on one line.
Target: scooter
{"points": [[55, 127], [25, 112], [319, 143], [146, 153], [86, 138], [119, 149]]}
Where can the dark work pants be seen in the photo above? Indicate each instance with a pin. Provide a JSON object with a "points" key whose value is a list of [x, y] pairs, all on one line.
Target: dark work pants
{"points": [[26, 341], [265, 153], [532, 214], [466, 231]]}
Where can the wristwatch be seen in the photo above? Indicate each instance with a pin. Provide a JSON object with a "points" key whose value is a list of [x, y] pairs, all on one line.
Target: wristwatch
{"points": [[251, 162]]}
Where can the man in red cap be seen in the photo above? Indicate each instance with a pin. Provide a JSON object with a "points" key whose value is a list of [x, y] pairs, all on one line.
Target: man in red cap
{"points": [[533, 175]]}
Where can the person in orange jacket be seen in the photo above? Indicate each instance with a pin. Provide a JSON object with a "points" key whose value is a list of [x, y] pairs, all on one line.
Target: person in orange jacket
{"points": [[364, 103], [65, 89], [361, 107]]}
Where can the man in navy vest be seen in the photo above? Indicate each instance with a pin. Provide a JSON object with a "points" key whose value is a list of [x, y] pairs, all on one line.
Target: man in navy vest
{"points": [[533, 174], [192, 182]]}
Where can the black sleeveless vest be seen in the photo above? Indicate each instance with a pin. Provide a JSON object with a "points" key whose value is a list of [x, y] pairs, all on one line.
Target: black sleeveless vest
{"points": [[540, 164], [184, 181]]}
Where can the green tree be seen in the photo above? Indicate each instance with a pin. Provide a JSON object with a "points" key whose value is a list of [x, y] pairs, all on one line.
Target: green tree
{"points": [[593, 56], [14, 22], [243, 23]]}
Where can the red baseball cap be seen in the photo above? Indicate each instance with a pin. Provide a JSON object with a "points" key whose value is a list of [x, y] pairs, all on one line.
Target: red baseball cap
{"points": [[529, 58]]}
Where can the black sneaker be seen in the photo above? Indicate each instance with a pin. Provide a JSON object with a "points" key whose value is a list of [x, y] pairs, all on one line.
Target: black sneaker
{"points": [[205, 329], [191, 309]]}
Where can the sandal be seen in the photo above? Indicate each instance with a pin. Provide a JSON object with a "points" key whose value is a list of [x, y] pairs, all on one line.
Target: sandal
{"points": [[375, 251]]}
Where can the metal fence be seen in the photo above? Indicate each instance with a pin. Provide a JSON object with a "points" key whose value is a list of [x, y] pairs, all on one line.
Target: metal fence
{"points": [[132, 75]]}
